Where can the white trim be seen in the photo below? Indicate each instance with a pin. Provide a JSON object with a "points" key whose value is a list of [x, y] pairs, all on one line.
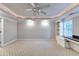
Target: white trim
{"points": [[9, 42], [66, 10], [33, 39], [9, 19]]}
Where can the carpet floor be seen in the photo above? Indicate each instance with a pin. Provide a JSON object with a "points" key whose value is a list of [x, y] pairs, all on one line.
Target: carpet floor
{"points": [[36, 48]]}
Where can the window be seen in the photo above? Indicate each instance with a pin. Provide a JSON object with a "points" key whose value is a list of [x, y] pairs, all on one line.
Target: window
{"points": [[68, 28]]}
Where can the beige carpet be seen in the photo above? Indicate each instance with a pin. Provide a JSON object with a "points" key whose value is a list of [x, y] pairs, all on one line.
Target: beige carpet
{"points": [[36, 48]]}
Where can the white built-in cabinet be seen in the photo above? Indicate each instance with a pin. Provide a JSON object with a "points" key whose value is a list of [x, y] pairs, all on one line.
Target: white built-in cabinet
{"points": [[1, 31], [61, 40], [61, 33], [74, 44]]}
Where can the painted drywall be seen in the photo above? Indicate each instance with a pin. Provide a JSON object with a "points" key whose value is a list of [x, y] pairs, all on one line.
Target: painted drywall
{"points": [[76, 25], [53, 30], [35, 32]]}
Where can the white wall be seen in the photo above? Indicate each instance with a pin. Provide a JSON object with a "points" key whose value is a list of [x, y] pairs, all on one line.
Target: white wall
{"points": [[36, 32], [76, 25], [53, 34]]}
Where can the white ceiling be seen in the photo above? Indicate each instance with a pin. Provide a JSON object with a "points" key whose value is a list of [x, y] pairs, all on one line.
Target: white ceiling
{"points": [[20, 8]]}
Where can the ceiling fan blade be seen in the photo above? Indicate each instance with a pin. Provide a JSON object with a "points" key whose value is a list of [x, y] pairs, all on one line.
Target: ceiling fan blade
{"points": [[43, 12], [44, 6], [33, 4]]}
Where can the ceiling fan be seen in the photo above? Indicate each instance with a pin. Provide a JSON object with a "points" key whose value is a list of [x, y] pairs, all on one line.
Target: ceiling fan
{"points": [[37, 9]]}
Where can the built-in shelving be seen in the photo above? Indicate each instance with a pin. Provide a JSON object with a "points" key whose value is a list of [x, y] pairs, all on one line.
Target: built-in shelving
{"points": [[57, 28]]}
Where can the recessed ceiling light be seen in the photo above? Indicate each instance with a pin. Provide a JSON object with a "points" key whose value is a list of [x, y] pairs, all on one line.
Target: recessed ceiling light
{"points": [[28, 9], [30, 23], [45, 23]]}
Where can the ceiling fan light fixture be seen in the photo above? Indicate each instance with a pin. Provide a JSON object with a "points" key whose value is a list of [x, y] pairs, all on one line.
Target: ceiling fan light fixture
{"points": [[28, 9], [37, 9]]}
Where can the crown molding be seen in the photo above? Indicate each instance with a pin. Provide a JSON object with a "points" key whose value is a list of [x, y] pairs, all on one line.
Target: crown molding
{"points": [[69, 8]]}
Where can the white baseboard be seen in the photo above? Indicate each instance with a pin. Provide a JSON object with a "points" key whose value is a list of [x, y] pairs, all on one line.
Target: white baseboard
{"points": [[25, 40], [35, 39], [9, 42]]}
